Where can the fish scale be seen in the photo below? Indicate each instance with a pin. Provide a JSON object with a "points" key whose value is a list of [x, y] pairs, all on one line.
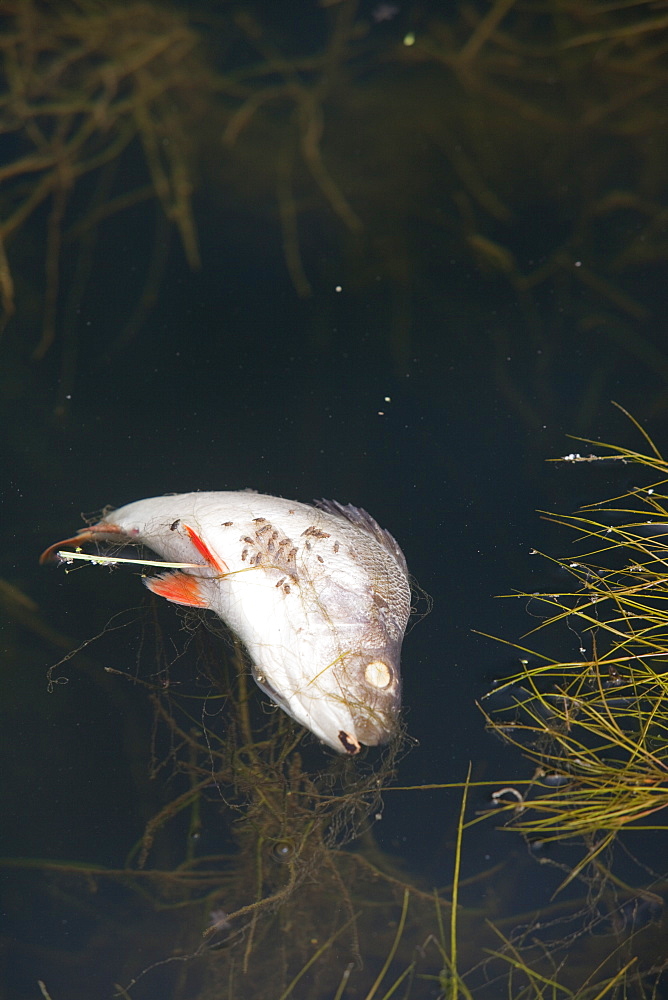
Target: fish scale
{"points": [[318, 595]]}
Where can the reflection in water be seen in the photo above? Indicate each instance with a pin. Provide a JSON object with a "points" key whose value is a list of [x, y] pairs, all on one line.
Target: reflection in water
{"points": [[259, 876]]}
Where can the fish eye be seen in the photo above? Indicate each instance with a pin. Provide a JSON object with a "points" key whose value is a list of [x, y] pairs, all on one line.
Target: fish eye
{"points": [[283, 851], [377, 674]]}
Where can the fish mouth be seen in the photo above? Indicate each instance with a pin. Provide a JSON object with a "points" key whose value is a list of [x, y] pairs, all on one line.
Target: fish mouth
{"points": [[370, 732], [376, 729], [350, 745]]}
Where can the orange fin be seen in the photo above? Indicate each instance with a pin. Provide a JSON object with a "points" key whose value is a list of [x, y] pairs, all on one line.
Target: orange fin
{"points": [[180, 588], [205, 551]]}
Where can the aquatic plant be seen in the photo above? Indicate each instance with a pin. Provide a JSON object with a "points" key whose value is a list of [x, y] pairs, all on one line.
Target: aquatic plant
{"points": [[335, 140], [82, 83], [596, 728]]}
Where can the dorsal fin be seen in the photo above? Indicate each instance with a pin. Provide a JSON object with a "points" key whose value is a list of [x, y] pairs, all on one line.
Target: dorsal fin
{"points": [[360, 518]]}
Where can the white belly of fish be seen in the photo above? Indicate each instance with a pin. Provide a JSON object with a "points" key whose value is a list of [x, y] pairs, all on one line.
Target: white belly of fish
{"points": [[319, 597]]}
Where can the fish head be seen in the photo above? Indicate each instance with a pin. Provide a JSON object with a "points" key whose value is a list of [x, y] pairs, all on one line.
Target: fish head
{"points": [[334, 664], [353, 699], [371, 683]]}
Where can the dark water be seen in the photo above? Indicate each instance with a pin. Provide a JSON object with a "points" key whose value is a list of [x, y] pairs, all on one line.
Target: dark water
{"points": [[432, 402]]}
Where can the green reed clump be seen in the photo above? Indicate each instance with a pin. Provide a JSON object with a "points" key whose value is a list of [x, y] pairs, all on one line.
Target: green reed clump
{"points": [[596, 728]]}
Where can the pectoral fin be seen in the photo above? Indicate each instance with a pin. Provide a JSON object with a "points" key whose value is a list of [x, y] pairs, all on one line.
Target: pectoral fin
{"points": [[179, 588], [205, 551]]}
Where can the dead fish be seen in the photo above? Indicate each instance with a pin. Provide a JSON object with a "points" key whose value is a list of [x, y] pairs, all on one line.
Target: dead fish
{"points": [[318, 595]]}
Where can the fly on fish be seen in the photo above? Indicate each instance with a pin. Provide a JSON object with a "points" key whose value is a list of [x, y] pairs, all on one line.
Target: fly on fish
{"points": [[318, 595]]}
